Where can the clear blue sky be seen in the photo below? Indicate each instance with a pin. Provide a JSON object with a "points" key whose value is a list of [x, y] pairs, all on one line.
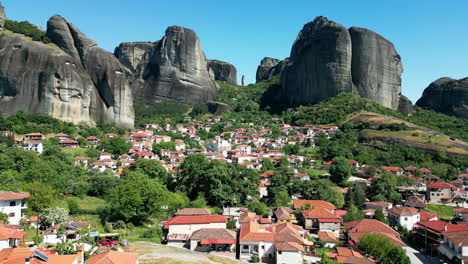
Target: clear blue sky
{"points": [[431, 35]]}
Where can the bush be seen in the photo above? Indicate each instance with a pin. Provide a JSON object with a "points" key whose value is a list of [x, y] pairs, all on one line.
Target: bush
{"points": [[254, 259], [27, 29], [152, 233], [73, 207]]}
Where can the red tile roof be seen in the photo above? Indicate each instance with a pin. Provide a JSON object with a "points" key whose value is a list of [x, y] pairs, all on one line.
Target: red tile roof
{"points": [[438, 185], [7, 196], [114, 257], [314, 203], [424, 216], [403, 211], [319, 213], [196, 219], [440, 226]]}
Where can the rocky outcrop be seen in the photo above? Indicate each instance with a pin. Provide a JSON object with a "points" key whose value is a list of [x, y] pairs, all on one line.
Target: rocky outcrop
{"points": [[448, 96], [270, 67], [376, 67], [3, 17], [174, 68], [134, 55], [222, 71], [405, 105], [327, 59], [320, 63], [218, 108], [74, 81]]}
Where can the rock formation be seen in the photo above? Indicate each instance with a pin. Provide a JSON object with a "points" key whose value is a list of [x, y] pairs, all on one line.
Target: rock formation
{"points": [[73, 81], [218, 108], [405, 105], [448, 96], [222, 71], [134, 55], [3, 17], [320, 63], [174, 68], [270, 67], [376, 67]]}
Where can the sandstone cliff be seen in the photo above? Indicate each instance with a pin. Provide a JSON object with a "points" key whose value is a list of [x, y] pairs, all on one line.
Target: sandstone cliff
{"points": [[327, 59], [320, 64], [448, 96], [174, 68], [222, 71], [270, 67], [73, 80]]}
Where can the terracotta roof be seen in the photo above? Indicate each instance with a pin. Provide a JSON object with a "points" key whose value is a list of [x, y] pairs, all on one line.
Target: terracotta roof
{"points": [[319, 213], [403, 211], [288, 233], [459, 238], [438, 185], [415, 201], [368, 226], [247, 217], [424, 216], [328, 237], [213, 233], [6, 233], [193, 211], [289, 246], [7, 196], [282, 213], [314, 203], [252, 231], [196, 219], [440, 226], [18, 255], [114, 257]]}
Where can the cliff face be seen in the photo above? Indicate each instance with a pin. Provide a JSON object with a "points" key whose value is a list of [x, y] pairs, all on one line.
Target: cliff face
{"points": [[327, 59], [174, 68], [270, 67], [320, 63], [448, 96], [73, 81], [222, 71]]}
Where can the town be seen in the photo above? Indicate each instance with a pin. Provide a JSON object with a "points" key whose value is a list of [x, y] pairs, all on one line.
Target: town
{"points": [[301, 231]]}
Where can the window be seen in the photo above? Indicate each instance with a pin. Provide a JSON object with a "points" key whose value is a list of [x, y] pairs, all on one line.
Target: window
{"points": [[263, 247], [280, 252], [12, 214], [13, 203], [246, 246], [406, 218]]}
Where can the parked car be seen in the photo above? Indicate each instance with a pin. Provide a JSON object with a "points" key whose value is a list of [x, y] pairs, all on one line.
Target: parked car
{"points": [[107, 242]]}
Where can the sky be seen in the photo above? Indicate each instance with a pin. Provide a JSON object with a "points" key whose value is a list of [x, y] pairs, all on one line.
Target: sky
{"points": [[431, 36]]}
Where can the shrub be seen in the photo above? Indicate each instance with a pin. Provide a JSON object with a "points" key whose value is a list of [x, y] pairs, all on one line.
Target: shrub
{"points": [[27, 29]]}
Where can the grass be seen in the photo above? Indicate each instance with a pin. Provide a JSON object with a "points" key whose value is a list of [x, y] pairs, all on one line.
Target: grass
{"points": [[222, 260], [443, 211], [136, 235], [87, 203], [315, 172], [171, 261], [75, 151]]}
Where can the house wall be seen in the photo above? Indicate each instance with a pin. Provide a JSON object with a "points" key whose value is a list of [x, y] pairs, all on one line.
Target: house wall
{"points": [[189, 229], [408, 221], [265, 249], [330, 227], [288, 257], [7, 209], [4, 244], [435, 195], [464, 251]]}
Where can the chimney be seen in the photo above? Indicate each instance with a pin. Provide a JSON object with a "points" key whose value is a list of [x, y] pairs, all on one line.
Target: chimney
{"points": [[27, 260]]}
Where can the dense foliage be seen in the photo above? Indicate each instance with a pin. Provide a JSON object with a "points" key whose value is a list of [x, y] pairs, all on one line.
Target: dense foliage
{"points": [[27, 29], [380, 247]]}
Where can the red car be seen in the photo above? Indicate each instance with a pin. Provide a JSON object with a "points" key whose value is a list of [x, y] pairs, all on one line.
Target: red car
{"points": [[107, 242]]}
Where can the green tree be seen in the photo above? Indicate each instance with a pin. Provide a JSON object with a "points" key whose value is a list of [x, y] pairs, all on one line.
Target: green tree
{"points": [[73, 207], [340, 171], [380, 247], [282, 198], [257, 207], [41, 196], [357, 194], [231, 224], [3, 218], [164, 145], [116, 145], [397, 255], [353, 214], [385, 188], [152, 168], [379, 215]]}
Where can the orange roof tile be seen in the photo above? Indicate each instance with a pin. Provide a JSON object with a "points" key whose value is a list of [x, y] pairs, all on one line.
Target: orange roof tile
{"points": [[114, 257], [7, 196]]}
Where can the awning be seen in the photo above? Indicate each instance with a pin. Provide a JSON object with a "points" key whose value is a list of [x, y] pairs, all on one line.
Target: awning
{"points": [[329, 220], [217, 241]]}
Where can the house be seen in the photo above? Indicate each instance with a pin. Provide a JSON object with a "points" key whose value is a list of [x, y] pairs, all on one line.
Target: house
{"points": [[27, 255], [61, 136], [431, 233], [426, 216], [219, 145], [33, 137], [114, 257], [179, 145], [464, 178], [80, 160], [298, 204], [461, 213], [11, 238], [403, 216], [379, 205], [68, 144], [12, 204], [351, 256], [415, 202], [180, 228], [395, 170], [289, 253], [255, 239], [233, 213], [92, 140], [321, 220], [105, 156], [284, 215], [455, 247], [329, 238], [290, 243], [192, 211], [439, 191], [70, 232], [213, 239], [356, 229], [35, 146]]}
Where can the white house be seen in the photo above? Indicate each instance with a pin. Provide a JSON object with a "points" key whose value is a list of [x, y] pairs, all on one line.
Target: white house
{"points": [[455, 246], [105, 156], [180, 228], [404, 216], [10, 238], [12, 204], [256, 240], [289, 253], [36, 146], [219, 146]]}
